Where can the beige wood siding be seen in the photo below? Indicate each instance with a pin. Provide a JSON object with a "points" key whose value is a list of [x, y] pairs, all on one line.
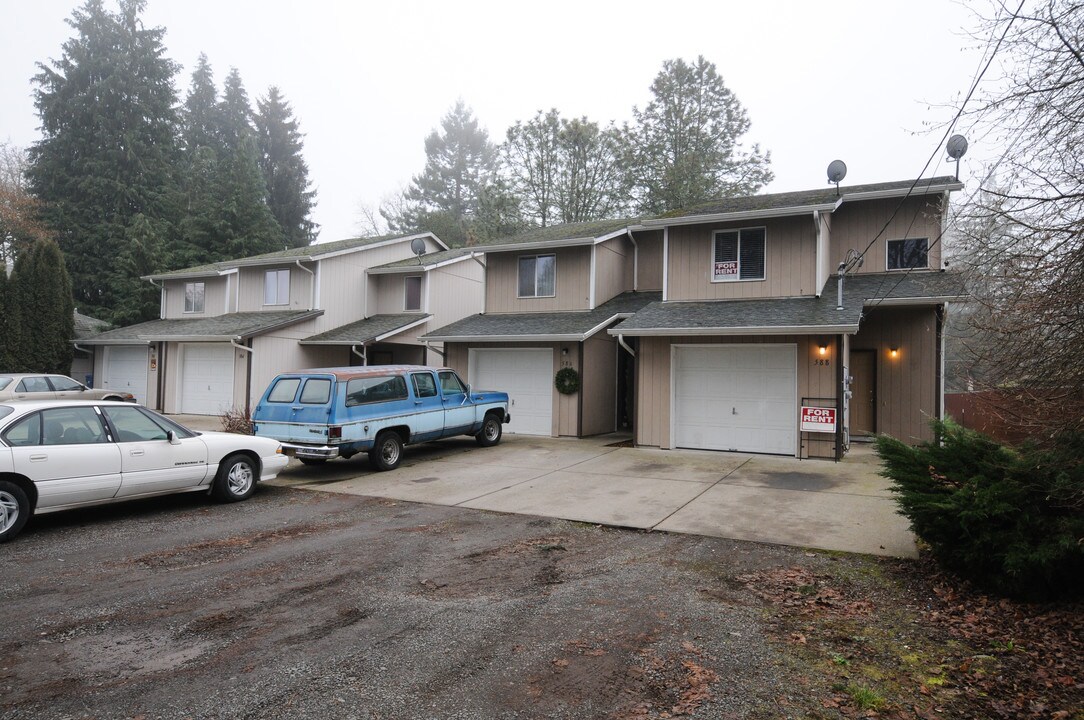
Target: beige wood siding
{"points": [[824, 251], [565, 407], [454, 292], [573, 286], [856, 224], [613, 268], [906, 385], [214, 297], [389, 293], [789, 261], [599, 384], [649, 263], [251, 294], [653, 382]]}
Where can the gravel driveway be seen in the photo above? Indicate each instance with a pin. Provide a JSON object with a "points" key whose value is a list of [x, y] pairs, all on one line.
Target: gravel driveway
{"points": [[308, 604]]}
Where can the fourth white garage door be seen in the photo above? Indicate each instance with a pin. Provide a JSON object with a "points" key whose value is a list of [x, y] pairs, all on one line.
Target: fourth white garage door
{"points": [[736, 397], [527, 376], [206, 381]]}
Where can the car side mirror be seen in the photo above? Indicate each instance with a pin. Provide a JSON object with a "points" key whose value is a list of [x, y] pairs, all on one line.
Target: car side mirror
{"points": [[172, 437]]}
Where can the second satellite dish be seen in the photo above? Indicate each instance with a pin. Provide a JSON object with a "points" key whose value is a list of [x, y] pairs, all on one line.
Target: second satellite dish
{"points": [[837, 170], [417, 246]]}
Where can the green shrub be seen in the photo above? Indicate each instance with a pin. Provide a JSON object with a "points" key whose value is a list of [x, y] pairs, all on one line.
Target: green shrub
{"points": [[1010, 520]]}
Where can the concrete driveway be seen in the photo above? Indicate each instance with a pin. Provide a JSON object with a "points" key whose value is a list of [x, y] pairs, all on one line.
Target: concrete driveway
{"points": [[807, 503]]}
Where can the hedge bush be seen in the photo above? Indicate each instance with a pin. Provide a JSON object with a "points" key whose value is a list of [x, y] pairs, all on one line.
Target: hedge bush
{"points": [[1009, 519]]}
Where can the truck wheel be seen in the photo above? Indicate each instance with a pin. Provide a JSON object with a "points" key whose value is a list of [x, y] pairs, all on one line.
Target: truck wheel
{"points": [[14, 510], [236, 478], [313, 461], [491, 431], [387, 452]]}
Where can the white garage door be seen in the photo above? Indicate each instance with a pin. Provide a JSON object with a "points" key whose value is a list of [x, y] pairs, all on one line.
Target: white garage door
{"points": [[206, 378], [736, 397], [126, 370], [527, 377]]}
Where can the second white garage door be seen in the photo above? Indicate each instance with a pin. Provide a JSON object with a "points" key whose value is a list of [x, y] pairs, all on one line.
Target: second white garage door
{"points": [[126, 370], [206, 381], [527, 376], [736, 397]]}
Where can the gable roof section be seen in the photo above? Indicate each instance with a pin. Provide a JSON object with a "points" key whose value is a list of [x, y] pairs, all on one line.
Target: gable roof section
{"points": [[795, 316], [87, 326], [792, 203], [585, 233], [220, 328], [423, 263], [290, 255], [371, 329], [551, 326]]}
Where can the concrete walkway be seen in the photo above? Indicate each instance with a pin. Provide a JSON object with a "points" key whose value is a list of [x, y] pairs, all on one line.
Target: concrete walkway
{"points": [[806, 503]]}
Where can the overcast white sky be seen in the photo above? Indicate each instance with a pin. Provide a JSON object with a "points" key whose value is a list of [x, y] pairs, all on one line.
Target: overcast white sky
{"points": [[861, 81]]}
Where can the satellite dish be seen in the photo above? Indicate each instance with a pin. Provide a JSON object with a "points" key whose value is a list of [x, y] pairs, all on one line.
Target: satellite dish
{"points": [[837, 170], [956, 146], [417, 246]]}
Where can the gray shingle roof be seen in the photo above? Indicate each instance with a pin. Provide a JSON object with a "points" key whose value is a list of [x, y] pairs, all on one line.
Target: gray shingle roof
{"points": [[794, 315], [523, 327], [556, 233], [87, 326], [219, 327], [288, 255], [425, 261], [364, 331], [803, 198]]}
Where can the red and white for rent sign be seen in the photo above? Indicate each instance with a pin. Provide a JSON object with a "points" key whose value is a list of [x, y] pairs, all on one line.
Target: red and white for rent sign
{"points": [[818, 419]]}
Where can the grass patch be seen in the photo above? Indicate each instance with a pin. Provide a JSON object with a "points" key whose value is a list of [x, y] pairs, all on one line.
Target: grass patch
{"points": [[865, 698]]}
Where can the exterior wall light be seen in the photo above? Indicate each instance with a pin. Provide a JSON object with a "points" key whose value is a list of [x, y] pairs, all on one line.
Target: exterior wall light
{"points": [[823, 347], [894, 352]]}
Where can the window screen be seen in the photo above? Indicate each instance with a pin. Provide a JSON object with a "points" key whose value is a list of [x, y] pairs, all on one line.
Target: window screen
{"points": [[413, 293], [537, 276], [739, 255], [276, 289], [193, 297], [909, 253]]}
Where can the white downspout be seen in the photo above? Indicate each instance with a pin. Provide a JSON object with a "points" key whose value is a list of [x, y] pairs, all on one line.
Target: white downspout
{"points": [[622, 343], [665, 262], [635, 262], [364, 357], [312, 284], [428, 346]]}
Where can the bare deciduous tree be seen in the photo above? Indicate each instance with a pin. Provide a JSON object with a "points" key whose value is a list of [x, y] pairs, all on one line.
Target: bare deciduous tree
{"points": [[1023, 231]]}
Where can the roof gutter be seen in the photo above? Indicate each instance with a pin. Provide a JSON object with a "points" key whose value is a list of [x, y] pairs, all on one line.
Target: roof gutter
{"points": [[917, 189], [743, 215], [758, 330]]}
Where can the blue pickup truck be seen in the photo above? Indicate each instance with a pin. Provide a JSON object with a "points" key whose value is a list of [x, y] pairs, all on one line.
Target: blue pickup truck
{"points": [[325, 413]]}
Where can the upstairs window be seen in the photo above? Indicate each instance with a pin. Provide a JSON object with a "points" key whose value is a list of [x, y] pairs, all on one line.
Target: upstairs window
{"points": [[193, 297], [738, 255], [276, 287], [413, 292], [909, 253], [537, 276]]}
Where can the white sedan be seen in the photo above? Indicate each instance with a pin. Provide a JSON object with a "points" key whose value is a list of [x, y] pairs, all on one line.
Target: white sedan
{"points": [[61, 455]]}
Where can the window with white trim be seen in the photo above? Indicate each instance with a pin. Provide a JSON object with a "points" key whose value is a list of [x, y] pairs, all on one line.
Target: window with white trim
{"points": [[537, 276], [908, 253], [412, 286], [194, 297], [738, 255], [276, 287]]}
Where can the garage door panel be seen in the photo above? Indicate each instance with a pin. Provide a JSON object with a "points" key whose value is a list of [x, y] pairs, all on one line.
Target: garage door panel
{"points": [[206, 379], [730, 397], [527, 376], [126, 371]]}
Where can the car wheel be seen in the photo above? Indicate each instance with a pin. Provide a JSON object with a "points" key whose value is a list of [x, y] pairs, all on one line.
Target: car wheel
{"points": [[387, 452], [14, 510], [312, 461], [236, 478], [491, 431]]}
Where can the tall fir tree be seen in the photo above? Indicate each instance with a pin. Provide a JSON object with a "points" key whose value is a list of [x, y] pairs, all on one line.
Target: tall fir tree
{"points": [[246, 221], [41, 302], [289, 192], [9, 329], [687, 141], [108, 147], [200, 228]]}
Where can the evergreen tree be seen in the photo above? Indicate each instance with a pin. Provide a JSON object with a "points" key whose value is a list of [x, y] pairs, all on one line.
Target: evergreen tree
{"points": [[687, 141], [246, 221], [8, 328], [285, 173], [41, 305], [108, 144], [200, 227]]}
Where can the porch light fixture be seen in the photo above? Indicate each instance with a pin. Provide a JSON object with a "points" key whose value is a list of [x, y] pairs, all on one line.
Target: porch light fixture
{"points": [[823, 348], [893, 352], [564, 352]]}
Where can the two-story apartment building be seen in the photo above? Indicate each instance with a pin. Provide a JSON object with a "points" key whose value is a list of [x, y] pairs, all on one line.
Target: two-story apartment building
{"points": [[227, 328], [713, 327]]}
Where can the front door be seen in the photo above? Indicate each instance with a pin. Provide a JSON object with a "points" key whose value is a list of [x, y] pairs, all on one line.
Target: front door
{"points": [[863, 404]]}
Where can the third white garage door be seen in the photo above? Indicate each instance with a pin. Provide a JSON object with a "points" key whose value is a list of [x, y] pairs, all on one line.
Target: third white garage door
{"points": [[527, 376], [736, 397], [206, 378]]}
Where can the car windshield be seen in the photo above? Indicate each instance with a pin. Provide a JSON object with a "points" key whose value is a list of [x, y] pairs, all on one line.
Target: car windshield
{"points": [[4, 382]]}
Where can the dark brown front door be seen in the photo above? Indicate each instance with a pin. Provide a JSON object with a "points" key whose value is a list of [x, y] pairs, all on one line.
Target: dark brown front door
{"points": [[863, 392]]}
